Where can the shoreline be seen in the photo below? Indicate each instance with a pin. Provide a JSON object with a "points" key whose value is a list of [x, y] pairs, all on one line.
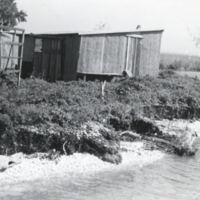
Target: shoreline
{"points": [[76, 164], [133, 153]]}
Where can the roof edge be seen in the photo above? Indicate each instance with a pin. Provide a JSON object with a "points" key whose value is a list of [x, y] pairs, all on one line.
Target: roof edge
{"points": [[114, 32], [96, 32], [53, 33]]}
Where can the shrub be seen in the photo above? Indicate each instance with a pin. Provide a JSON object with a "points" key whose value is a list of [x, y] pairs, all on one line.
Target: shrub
{"points": [[68, 105]]}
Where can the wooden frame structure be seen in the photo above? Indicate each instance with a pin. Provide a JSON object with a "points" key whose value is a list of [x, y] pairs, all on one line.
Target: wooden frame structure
{"points": [[14, 32]]}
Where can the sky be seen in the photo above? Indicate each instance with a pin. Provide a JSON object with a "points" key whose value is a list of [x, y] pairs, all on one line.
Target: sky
{"points": [[180, 19]]}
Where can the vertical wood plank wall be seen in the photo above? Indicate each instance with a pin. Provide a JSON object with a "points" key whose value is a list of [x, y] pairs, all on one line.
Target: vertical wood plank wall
{"points": [[131, 55], [114, 54], [102, 54], [29, 45], [45, 58], [96, 54], [67, 54], [71, 46], [91, 52], [37, 63], [149, 54]]}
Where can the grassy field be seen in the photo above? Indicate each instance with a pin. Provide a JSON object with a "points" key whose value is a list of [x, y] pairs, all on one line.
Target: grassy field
{"points": [[180, 62]]}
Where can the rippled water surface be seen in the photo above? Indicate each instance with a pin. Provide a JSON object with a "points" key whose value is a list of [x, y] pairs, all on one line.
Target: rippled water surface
{"points": [[169, 178]]}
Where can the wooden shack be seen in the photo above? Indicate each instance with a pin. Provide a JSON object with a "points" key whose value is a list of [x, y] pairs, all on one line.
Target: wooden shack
{"points": [[65, 56]]}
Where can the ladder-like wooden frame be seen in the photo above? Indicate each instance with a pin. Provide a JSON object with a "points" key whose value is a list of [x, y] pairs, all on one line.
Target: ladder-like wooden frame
{"points": [[14, 32]]}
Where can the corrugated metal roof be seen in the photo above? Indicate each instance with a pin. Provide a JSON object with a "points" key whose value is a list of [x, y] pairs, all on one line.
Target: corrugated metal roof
{"points": [[96, 32]]}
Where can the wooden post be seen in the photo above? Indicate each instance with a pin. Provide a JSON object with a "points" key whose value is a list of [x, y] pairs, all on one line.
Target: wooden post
{"points": [[127, 55], [135, 56], [102, 54], [84, 78], [103, 84], [21, 57]]}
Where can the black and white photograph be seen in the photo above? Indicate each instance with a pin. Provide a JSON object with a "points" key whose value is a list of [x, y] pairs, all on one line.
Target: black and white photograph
{"points": [[99, 100]]}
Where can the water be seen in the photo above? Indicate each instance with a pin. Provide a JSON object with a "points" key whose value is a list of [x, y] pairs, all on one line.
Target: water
{"points": [[170, 178]]}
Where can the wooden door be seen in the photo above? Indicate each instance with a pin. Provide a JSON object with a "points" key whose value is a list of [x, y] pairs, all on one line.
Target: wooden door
{"points": [[51, 59], [132, 53], [37, 56]]}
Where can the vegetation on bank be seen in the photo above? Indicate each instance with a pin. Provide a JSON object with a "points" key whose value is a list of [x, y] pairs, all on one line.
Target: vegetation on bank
{"points": [[61, 108], [179, 62]]}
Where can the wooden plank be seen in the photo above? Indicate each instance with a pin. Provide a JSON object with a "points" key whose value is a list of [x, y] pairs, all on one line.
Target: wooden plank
{"points": [[45, 58], [85, 77], [158, 54], [109, 74], [28, 52], [90, 54], [55, 51], [67, 56], [130, 55], [135, 36], [128, 73], [12, 43], [99, 32], [52, 60], [93, 54], [135, 57], [56, 47], [52, 68], [58, 67], [11, 57], [20, 62], [12, 28], [144, 56], [37, 61], [138, 58], [81, 61], [103, 84], [54, 43], [12, 71], [46, 36], [46, 45], [11, 50], [127, 55], [45, 65], [124, 53], [155, 52], [75, 57], [102, 53], [58, 61], [149, 62], [114, 54]]}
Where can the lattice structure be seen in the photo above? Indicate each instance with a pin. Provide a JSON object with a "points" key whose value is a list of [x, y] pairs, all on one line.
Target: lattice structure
{"points": [[15, 38]]}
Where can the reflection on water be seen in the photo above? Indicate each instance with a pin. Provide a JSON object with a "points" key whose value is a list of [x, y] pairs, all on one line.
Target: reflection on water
{"points": [[169, 178]]}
